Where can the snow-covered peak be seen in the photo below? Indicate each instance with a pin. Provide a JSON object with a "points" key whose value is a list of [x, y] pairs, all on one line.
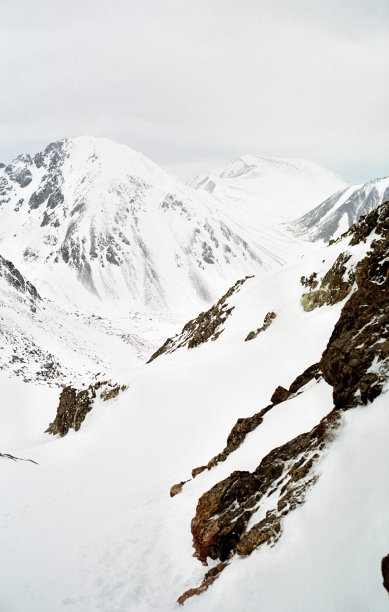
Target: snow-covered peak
{"points": [[273, 187], [338, 212], [91, 220]]}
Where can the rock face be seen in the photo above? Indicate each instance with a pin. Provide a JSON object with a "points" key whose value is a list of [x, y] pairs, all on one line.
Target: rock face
{"points": [[343, 208], [100, 213], [219, 528], [209, 578], [8, 456], [354, 363], [334, 287], [206, 326], [268, 320], [385, 572], [15, 279], [74, 405], [246, 425]]}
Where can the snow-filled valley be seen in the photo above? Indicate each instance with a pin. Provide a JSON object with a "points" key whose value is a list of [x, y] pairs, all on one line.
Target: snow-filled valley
{"points": [[292, 514]]}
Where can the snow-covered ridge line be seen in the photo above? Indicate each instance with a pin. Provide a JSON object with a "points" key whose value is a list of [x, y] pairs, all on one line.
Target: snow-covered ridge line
{"points": [[224, 525], [91, 221], [338, 212]]}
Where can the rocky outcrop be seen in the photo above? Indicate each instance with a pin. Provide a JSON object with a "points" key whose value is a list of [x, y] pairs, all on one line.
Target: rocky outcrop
{"points": [[335, 286], [209, 578], [355, 361], [385, 572], [206, 326], [268, 320], [16, 280], [8, 456], [244, 426], [220, 526], [75, 404]]}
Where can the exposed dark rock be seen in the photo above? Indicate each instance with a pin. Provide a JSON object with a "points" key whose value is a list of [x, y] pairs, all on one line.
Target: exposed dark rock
{"points": [[19, 170], [280, 395], [18, 282], [223, 512], [74, 405], [313, 372], [323, 221], [310, 281], [112, 391], [208, 579], [355, 364], [335, 286], [206, 326], [244, 426], [8, 456], [176, 489], [268, 320], [385, 572], [355, 361], [196, 471]]}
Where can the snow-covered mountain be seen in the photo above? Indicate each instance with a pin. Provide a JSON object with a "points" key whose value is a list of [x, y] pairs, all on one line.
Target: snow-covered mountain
{"points": [[266, 418], [262, 189], [338, 212], [253, 441], [100, 213], [49, 343]]}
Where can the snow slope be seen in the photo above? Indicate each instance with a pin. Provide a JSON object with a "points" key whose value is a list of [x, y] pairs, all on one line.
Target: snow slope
{"points": [[269, 188], [92, 526], [45, 341], [337, 213]]}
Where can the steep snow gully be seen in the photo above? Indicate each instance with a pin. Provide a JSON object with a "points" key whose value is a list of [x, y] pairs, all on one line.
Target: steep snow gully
{"points": [[253, 442]]}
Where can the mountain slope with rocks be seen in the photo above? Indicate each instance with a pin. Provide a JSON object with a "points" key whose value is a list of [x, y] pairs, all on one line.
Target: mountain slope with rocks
{"points": [[338, 212], [277, 445], [90, 221]]}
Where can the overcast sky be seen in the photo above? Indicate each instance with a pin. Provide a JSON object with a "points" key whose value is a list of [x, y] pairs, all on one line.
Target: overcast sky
{"points": [[193, 83]]}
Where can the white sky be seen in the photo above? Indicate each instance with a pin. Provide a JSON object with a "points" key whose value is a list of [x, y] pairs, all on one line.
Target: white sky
{"points": [[193, 83]]}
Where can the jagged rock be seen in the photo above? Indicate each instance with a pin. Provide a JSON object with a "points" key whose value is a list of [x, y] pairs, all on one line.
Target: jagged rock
{"points": [[335, 286], [313, 372], [208, 579], [244, 426], [177, 488], [310, 281], [223, 512], [355, 361], [198, 470], [280, 395], [18, 282], [112, 391], [74, 405], [19, 170], [206, 326], [268, 320], [355, 364], [8, 456], [385, 572]]}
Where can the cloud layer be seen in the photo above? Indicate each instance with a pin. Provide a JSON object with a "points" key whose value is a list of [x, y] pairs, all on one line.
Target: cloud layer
{"points": [[194, 82]]}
